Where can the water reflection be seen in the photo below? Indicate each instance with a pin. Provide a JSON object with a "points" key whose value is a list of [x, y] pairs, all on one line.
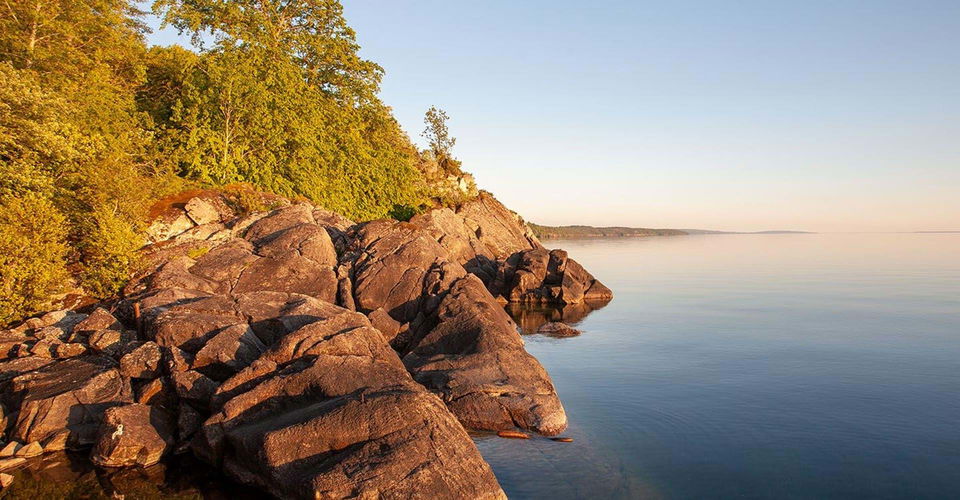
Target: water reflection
{"points": [[530, 317], [753, 366], [67, 476], [561, 470]]}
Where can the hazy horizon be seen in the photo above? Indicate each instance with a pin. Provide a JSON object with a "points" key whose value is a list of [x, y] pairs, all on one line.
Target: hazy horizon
{"points": [[817, 116]]}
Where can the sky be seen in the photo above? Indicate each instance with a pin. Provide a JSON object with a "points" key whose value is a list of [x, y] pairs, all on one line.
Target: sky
{"points": [[816, 115]]}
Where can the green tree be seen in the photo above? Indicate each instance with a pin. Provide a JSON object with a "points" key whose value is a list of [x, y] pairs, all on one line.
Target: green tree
{"points": [[93, 125], [283, 101], [439, 140], [73, 135]]}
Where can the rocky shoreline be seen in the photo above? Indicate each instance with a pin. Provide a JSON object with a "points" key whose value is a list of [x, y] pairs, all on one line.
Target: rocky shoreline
{"points": [[302, 353]]}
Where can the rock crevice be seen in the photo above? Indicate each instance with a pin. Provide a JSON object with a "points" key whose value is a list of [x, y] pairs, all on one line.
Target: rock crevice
{"points": [[303, 353]]}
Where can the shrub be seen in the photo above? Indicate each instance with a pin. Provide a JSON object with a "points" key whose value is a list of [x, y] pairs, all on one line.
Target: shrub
{"points": [[244, 199], [108, 252], [33, 254], [403, 213]]}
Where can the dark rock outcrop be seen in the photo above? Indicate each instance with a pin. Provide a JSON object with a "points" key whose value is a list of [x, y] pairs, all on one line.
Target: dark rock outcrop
{"points": [[474, 358], [455, 339], [495, 244], [69, 395], [329, 412], [143, 361], [133, 434], [478, 233], [99, 319], [546, 277], [283, 251], [555, 329], [303, 353]]}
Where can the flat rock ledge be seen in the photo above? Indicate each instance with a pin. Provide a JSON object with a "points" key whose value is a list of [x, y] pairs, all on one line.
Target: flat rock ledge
{"points": [[301, 353]]}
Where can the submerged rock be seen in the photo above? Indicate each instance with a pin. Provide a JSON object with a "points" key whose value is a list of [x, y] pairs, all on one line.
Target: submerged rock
{"points": [[555, 329], [531, 316]]}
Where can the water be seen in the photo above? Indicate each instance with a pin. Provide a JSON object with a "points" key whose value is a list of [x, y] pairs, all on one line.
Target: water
{"points": [[755, 366], [727, 366]]}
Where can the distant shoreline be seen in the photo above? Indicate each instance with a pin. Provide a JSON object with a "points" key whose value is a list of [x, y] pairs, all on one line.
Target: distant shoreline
{"points": [[580, 231], [558, 232]]}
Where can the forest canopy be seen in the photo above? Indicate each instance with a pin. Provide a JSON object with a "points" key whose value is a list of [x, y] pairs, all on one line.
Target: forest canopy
{"points": [[94, 125]]}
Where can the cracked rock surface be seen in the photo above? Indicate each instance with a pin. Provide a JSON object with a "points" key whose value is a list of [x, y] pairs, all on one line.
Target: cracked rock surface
{"points": [[303, 353]]}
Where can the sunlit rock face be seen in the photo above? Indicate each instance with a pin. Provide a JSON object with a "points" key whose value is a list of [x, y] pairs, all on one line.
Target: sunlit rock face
{"points": [[547, 277], [495, 244], [454, 338], [303, 353], [478, 234]]}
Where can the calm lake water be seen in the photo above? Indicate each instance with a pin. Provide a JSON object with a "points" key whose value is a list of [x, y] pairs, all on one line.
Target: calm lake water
{"points": [[755, 366], [727, 366]]}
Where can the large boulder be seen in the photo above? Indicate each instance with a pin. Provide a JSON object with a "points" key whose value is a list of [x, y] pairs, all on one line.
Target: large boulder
{"points": [[133, 434], [99, 319], [474, 359], [455, 339], [546, 277], [478, 233], [179, 213], [501, 230], [69, 395], [497, 246], [282, 251], [143, 361], [329, 412], [397, 268]]}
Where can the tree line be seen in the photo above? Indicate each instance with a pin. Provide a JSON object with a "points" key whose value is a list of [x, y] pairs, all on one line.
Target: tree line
{"points": [[95, 125]]}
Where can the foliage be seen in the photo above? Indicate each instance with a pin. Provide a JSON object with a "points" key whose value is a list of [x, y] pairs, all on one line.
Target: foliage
{"points": [[70, 132], [283, 101], [565, 232], [33, 254], [404, 213], [198, 252], [108, 251], [438, 136], [243, 199], [94, 127]]}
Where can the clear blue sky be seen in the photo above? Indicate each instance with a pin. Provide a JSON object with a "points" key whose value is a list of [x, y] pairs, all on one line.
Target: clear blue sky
{"points": [[746, 115]]}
